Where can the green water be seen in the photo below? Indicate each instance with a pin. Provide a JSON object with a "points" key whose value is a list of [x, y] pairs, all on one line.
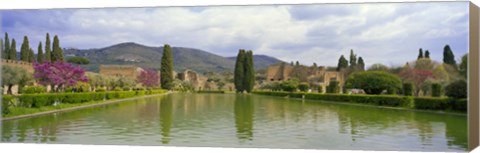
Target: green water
{"points": [[231, 120]]}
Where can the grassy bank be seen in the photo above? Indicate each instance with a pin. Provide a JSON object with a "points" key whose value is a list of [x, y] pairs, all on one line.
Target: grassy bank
{"points": [[36, 103], [410, 102]]}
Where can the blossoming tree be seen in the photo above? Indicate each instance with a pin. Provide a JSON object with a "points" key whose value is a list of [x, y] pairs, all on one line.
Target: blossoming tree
{"points": [[59, 74], [149, 78]]}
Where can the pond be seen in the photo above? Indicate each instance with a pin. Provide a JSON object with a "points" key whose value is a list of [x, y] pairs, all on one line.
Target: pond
{"points": [[233, 120]]}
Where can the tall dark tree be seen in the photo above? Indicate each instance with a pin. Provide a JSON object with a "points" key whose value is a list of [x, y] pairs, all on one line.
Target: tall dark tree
{"points": [[239, 72], [427, 54], [342, 63], [40, 53], [166, 68], [31, 56], [463, 67], [420, 54], [2, 49], [297, 63], [57, 53], [48, 49], [448, 56], [6, 50], [25, 49], [291, 64], [13, 50], [315, 65], [249, 72], [361, 64], [353, 59]]}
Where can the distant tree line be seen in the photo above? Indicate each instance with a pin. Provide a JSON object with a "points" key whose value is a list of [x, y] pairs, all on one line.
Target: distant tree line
{"points": [[27, 54]]}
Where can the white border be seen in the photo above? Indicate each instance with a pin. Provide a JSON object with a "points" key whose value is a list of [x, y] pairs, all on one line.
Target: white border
{"points": [[62, 148]]}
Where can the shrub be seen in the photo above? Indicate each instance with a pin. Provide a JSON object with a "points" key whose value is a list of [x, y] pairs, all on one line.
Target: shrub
{"points": [[126, 89], [34, 90], [457, 89], [333, 87], [459, 104], [118, 89], [431, 103], [289, 86], [6, 100], [320, 89], [373, 82], [408, 89], [303, 86], [82, 87], [102, 89], [436, 90]]}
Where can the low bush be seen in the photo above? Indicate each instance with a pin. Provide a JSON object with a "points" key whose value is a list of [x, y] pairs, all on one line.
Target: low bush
{"points": [[431, 103], [6, 100], [459, 104], [303, 86], [210, 91], [101, 89], [33, 90], [457, 89]]}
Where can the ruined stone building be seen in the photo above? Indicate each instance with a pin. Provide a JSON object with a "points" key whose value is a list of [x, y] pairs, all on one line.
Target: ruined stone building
{"points": [[198, 81], [318, 76], [129, 71]]}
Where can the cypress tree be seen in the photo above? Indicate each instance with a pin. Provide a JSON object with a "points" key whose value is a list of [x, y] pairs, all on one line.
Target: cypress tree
{"points": [[7, 47], [342, 63], [353, 59], [448, 56], [48, 50], [40, 53], [57, 53], [291, 64], [166, 68], [420, 54], [2, 49], [31, 56], [13, 50], [427, 54], [239, 72], [361, 64], [24, 49], [249, 72]]}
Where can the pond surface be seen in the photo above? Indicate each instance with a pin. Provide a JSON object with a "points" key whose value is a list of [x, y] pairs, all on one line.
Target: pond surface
{"points": [[231, 120]]}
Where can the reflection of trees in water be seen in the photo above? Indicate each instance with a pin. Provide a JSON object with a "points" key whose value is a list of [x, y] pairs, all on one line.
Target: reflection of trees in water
{"points": [[166, 111], [362, 120], [244, 109]]}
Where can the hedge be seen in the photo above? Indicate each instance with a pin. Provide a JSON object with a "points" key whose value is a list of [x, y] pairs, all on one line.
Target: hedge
{"points": [[6, 99], [384, 100], [211, 91], [431, 103], [40, 100]]}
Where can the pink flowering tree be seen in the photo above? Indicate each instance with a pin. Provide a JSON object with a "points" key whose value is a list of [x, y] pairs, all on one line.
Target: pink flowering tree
{"points": [[149, 78], [58, 74]]}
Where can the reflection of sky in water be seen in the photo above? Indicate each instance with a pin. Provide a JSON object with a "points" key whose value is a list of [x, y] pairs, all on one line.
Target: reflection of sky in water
{"points": [[245, 121]]}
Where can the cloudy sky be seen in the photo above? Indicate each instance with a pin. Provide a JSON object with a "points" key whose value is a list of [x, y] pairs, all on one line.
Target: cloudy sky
{"points": [[387, 33]]}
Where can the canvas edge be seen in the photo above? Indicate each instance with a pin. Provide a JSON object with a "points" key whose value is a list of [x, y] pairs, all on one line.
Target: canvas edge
{"points": [[473, 78]]}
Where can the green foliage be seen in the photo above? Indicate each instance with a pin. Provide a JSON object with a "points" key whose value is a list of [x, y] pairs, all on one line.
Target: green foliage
{"points": [[239, 72], [6, 52], [40, 53], [303, 86], [249, 72], [448, 56], [408, 89], [464, 66], [25, 50], [457, 89], [118, 89], [31, 56], [57, 53], [333, 87], [436, 90], [378, 67], [353, 59], [431, 103], [101, 89], [373, 82], [424, 64], [78, 60], [34, 90], [15, 76], [427, 54], [82, 87], [13, 50], [361, 64], [289, 86], [320, 89], [420, 54], [48, 49], [6, 101], [166, 68], [211, 91], [342, 63]]}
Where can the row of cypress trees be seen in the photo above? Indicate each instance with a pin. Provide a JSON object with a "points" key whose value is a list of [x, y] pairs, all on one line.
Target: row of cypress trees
{"points": [[244, 74], [26, 53]]}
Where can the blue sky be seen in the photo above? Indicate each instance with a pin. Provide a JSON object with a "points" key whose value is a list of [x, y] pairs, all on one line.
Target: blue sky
{"points": [[387, 33]]}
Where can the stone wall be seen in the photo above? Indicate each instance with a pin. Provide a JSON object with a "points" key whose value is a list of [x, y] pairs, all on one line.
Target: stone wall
{"points": [[129, 71], [25, 65]]}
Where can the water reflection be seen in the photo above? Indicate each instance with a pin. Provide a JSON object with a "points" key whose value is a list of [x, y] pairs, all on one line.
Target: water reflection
{"points": [[166, 111], [243, 109]]}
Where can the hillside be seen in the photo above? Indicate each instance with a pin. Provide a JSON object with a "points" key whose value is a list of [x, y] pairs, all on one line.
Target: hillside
{"points": [[149, 57]]}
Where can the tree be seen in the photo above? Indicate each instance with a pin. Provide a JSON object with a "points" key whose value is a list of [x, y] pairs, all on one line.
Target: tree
{"points": [[457, 89], [239, 72], [303, 86], [149, 78], [361, 64], [436, 90], [342, 63], [125, 82], [427, 54], [424, 64], [48, 49], [378, 67], [420, 54], [40, 53], [59, 73], [353, 59], [448, 56], [31, 56], [6, 51], [373, 82], [24, 50], [333, 87], [408, 89], [464, 66], [417, 77], [289, 86], [57, 53], [13, 50], [249, 72], [2, 49], [15, 76], [78, 60], [166, 68]]}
